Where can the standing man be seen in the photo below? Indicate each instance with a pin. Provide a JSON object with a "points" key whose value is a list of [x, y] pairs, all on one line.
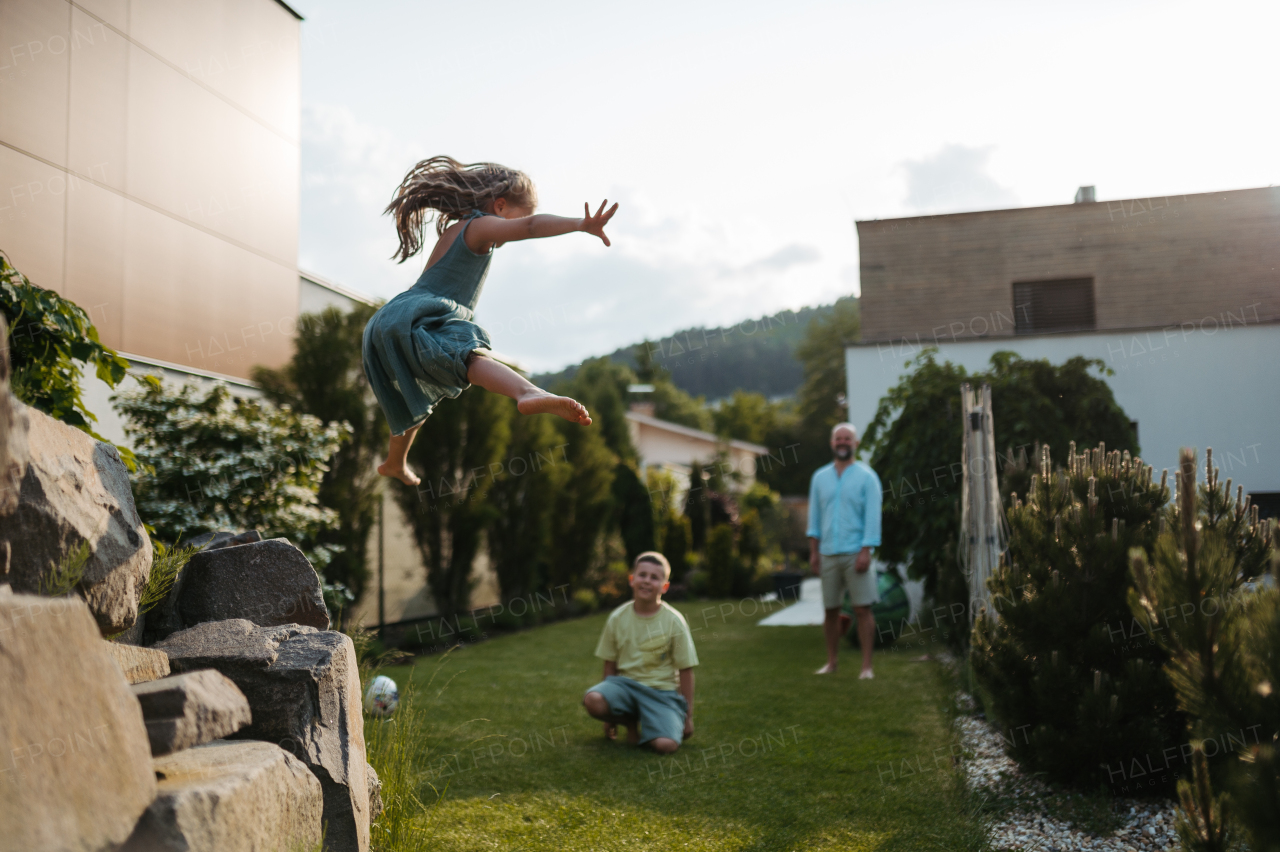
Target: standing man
{"points": [[844, 524]]}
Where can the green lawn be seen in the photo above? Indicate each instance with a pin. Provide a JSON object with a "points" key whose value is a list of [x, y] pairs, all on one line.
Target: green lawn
{"points": [[781, 759]]}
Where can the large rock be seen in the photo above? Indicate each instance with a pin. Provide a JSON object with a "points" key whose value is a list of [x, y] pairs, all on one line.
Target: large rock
{"points": [[375, 793], [189, 709], [75, 766], [273, 583], [303, 687], [243, 796], [138, 665], [268, 582], [14, 426], [73, 489], [222, 538]]}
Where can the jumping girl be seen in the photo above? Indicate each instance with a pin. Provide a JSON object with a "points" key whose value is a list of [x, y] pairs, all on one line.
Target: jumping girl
{"points": [[422, 346]]}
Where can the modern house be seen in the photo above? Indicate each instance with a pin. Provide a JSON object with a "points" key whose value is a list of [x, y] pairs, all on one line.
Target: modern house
{"points": [[151, 152], [151, 155], [1178, 296]]}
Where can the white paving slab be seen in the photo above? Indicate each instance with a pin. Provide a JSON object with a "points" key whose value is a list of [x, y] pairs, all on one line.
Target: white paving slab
{"points": [[808, 610], [804, 612]]}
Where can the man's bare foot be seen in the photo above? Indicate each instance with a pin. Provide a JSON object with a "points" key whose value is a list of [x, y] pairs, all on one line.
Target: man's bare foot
{"points": [[610, 731], [829, 668], [400, 472], [538, 401]]}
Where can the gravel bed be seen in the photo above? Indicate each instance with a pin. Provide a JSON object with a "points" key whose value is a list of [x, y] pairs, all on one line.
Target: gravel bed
{"points": [[1148, 825]]}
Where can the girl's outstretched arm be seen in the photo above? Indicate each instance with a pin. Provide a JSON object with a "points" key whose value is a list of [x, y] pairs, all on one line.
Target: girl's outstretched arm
{"points": [[490, 230]]}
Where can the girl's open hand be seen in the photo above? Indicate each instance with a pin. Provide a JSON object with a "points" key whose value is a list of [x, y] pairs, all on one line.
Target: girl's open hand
{"points": [[595, 224]]}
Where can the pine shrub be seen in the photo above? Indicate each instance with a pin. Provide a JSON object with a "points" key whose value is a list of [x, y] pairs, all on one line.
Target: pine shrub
{"points": [[1196, 597], [1078, 695]]}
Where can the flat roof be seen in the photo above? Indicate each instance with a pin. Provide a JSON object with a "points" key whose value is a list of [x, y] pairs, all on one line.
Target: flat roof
{"points": [[1080, 204], [290, 10]]}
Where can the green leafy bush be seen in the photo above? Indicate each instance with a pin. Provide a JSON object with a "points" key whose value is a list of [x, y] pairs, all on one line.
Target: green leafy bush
{"points": [[325, 378], [585, 601], [49, 338], [914, 445], [1079, 696], [221, 462]]}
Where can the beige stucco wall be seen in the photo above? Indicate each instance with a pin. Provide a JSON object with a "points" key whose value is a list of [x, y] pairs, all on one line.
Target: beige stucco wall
{"points": [[405, 592], [149, 152], [1155, 262]]}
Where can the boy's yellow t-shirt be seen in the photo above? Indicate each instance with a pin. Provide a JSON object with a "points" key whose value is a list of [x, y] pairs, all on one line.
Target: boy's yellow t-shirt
{"points": [[650, 650]]}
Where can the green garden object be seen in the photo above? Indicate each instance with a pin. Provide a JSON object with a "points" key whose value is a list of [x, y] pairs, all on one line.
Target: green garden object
{"points": [[891, 611]]}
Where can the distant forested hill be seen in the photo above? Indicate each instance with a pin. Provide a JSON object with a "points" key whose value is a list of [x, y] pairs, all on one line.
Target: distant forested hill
{"points": [[753, 355]]}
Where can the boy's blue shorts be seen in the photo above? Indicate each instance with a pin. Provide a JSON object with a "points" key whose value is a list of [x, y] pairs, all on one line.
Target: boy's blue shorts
{"points": [[661, 711]]}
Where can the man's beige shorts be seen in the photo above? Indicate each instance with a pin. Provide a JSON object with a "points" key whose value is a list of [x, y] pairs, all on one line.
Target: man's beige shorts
{"points": [[839, 576]]}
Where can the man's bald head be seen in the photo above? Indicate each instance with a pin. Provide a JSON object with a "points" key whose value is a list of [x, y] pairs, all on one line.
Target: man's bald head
{"points": [[840, 427], [844, 441]]}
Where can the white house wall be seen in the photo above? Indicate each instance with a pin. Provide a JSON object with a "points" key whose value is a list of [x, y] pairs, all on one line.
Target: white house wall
{"points": [[1206, 384]]}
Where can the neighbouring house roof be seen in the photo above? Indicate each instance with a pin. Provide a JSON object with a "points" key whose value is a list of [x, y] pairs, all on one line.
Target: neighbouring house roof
{"points": [[688, 432], [341, 290]]}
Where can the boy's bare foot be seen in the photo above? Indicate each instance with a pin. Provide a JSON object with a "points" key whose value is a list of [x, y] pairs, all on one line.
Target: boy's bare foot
{"points": [[610, 731], [829, 668], [538, 401], [400, 472]]}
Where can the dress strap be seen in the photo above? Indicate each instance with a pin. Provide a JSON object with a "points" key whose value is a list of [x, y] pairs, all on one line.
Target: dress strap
{"points": [[475, 214]]}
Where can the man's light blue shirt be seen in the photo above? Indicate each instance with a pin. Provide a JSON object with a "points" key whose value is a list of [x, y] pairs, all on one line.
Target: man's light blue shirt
{"points": [[844, 510]]}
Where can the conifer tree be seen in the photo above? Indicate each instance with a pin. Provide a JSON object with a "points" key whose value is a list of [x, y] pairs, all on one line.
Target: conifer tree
{"points": [[1076, 697], [1196, 597]]}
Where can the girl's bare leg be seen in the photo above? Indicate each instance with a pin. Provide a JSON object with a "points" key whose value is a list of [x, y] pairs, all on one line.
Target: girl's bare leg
{"points": [[397, 463], [530, 399]]}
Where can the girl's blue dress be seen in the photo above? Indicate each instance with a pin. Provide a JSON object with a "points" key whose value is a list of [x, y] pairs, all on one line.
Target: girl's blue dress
{"points": [[416, 346]]}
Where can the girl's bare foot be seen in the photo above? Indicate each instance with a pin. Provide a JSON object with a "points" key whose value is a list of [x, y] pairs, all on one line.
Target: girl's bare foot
{"points": [[538, 401], [400, 472]]}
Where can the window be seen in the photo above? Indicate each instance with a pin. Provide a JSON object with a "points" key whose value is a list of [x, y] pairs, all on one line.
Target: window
{"points": [[1041, 306], [1268, 503]]}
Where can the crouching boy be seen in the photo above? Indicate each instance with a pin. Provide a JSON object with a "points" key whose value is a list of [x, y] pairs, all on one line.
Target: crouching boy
{"points": [[648, 664]]}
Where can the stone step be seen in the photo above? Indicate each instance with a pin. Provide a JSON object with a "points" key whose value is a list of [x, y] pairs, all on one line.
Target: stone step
{"points": [[230, 796], [139, 664], [186, 710], [303, 687], [75, 767]]}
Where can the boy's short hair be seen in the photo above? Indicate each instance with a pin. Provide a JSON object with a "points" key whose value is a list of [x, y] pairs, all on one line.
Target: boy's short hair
{"points": [[656, 558]]}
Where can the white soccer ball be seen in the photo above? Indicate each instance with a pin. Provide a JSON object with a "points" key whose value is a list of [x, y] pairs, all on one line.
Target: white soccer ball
{"points": [[382, 697]]}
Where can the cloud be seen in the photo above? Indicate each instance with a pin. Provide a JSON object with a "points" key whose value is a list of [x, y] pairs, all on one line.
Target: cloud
{"points": [[349, 170], [784, 258], [954, 179], [548, 303]]}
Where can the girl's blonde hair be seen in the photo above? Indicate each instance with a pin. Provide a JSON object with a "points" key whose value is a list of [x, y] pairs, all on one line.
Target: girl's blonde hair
{"points": [[449, 190]]}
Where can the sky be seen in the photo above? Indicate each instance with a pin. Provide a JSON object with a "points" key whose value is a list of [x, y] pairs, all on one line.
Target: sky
{"points": [[744, 139]]}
